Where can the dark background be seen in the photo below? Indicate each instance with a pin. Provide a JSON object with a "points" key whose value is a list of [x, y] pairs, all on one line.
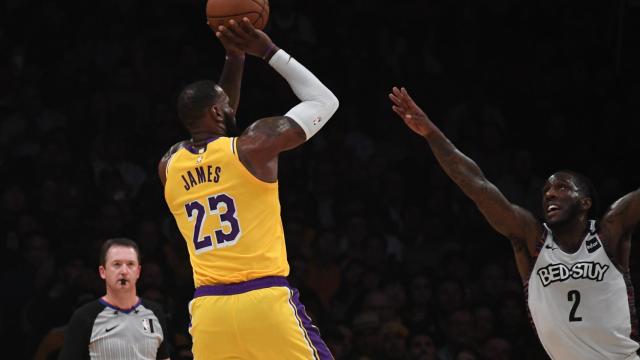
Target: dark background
{"points": [[392, 261]]}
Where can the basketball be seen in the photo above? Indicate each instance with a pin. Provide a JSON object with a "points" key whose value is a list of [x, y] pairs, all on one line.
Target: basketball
{"points": [[220, 11]]}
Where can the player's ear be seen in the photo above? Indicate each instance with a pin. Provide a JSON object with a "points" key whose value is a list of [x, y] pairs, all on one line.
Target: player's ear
{"points": [[586, 203], [215, 111], [102, 272]]}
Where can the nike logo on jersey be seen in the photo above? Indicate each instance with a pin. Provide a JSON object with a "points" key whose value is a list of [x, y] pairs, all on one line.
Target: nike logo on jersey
{"points": [[109, 329], [582, 270], [549, 246]]}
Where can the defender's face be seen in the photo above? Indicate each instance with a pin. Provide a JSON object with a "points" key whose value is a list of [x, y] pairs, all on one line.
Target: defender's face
{"points": [[121, 270], [560, 199]]}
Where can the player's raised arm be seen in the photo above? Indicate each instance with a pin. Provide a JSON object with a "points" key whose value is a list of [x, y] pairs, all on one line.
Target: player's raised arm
{"points": [[508, 219], [231, 76], [618, 224], [260, 144]]}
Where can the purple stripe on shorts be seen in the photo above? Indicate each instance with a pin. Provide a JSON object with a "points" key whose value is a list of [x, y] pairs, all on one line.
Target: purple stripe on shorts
{"points": [[239, 288], [312, 331]]}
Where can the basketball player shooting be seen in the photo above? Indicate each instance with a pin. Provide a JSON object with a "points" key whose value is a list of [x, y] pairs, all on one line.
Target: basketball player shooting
{"points": [[223, 193], [576, 269]]}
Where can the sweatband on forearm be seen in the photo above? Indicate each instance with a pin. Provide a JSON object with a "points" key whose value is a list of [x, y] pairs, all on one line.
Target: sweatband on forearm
{"points": [[318, 102]]}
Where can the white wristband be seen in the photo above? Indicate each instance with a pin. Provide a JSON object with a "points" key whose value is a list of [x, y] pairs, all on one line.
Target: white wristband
{"points": [[318, 102]]}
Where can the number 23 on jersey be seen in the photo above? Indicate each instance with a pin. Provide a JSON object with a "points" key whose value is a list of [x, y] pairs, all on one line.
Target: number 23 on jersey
{"points": [[221, 205]]}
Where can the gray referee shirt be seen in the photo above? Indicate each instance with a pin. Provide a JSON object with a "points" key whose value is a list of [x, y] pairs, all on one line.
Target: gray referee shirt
{"points": [[101, 331]]}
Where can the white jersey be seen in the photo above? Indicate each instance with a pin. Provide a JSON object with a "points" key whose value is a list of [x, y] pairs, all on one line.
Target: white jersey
{"points": [[580, 302]]}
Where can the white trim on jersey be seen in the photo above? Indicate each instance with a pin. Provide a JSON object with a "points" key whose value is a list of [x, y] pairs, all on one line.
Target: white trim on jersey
{"points": [[166, 168]]}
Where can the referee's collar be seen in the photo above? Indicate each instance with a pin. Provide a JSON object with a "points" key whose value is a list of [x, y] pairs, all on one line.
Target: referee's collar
{"points": [[126, 311]]}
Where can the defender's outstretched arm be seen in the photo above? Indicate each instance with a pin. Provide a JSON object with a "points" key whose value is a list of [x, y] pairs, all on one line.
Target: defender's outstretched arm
{"points": [[512, 221]]}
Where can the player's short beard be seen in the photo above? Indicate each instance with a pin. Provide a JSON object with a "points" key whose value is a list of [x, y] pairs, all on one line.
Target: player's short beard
{"points": [[230, 125]]}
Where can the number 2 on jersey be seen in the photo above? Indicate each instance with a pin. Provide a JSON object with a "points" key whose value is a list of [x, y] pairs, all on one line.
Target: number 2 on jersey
{"points": [[574, 295], [197, 212]]}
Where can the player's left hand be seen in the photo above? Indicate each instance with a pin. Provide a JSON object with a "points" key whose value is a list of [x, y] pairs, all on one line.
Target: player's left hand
{"points": [[247, 38], [410, 112], [232, 49]]}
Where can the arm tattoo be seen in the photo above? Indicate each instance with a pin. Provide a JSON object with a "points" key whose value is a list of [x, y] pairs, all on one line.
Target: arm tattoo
{"points": [[279, 126], [276, 127], [462, 170], [516, 224], [268, 137]]}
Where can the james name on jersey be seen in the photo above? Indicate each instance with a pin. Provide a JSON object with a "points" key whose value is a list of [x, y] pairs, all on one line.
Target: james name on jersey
{"points": [[202, 175], [580, 270]]}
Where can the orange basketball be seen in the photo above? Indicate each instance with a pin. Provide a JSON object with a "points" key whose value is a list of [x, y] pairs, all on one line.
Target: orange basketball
{"points": [[219, 11]]}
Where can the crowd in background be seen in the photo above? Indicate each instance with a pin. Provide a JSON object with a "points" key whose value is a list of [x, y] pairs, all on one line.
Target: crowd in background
{"points": [[392, 260]]}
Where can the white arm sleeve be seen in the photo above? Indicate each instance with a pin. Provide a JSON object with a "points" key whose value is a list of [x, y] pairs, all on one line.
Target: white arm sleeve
{"points": [[318, 102]]}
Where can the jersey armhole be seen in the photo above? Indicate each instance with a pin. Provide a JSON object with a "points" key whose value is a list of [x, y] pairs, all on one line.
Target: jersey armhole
{"points": [[172, 152], [166, 171], [166, 168], [534, 257], [540, 244], [234, 147], [234, 150]]}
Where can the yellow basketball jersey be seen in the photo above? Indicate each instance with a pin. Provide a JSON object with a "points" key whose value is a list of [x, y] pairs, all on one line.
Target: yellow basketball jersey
{"points": [[229, 218]]}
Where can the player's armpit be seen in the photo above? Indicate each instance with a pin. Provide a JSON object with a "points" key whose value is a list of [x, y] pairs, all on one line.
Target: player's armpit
{"points": [[260, 144], [531, 230], [523, 258]]}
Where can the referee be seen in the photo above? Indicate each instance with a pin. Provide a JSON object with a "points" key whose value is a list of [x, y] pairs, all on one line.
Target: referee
{"points": [[119, 325]]}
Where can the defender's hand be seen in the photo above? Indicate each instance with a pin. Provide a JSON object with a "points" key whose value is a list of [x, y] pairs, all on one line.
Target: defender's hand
{"points": [[406, 108], [246, 38]]}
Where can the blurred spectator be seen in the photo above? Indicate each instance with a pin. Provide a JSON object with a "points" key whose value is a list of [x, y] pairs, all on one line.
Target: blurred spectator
{"points": [[466, 354], [421, 347], [496, 349], [393, 335], [450, 296], [485, 323], [366, 330], [379, 303], [459, 330]]}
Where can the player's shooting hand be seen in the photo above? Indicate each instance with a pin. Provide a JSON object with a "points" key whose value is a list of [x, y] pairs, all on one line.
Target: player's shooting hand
{"points": [[245, 37], [406, 108], [231, 48]]}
